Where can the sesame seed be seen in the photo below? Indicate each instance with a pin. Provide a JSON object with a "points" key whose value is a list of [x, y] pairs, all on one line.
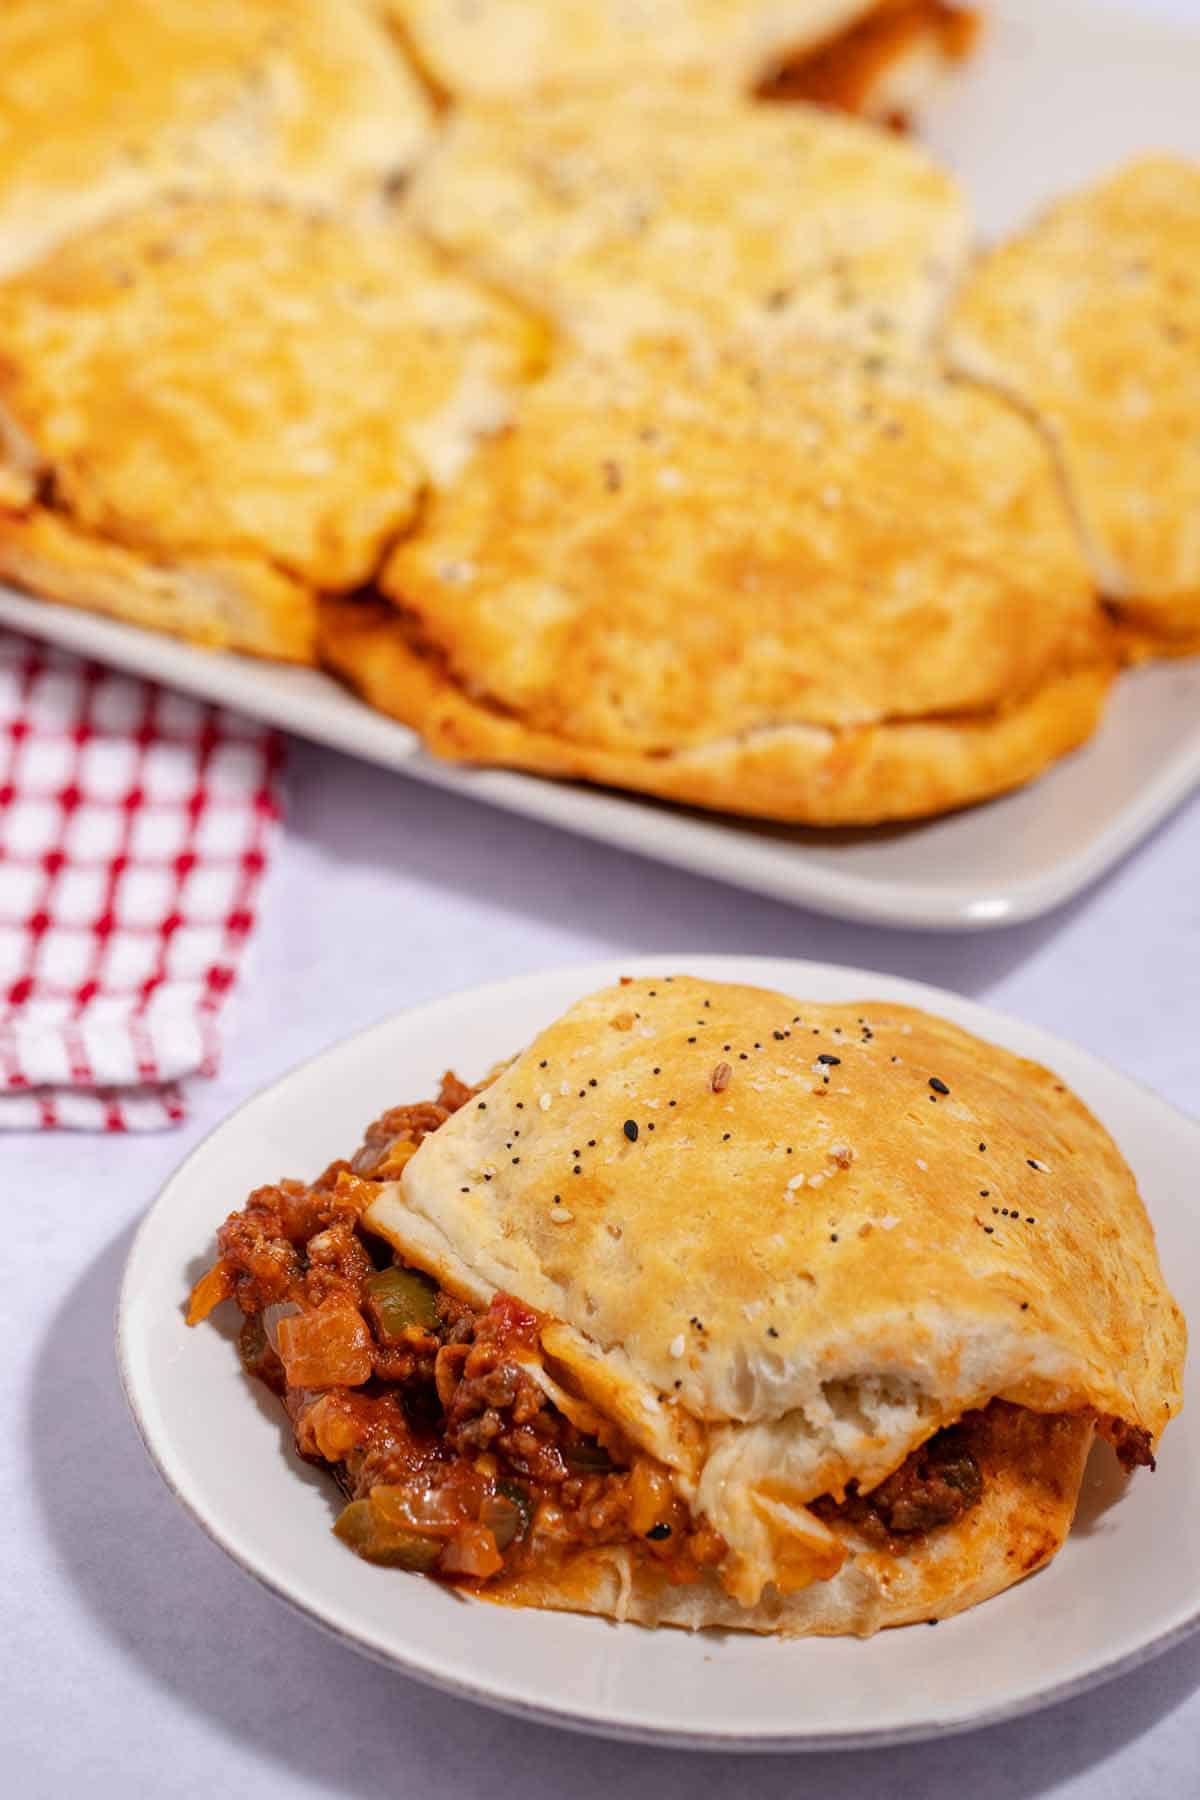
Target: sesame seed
{"points": [[1041, 1167], [720, 1078], [677, 1345], [630, 1129], [771, 1331], [939, 1087], [830, 1061]]}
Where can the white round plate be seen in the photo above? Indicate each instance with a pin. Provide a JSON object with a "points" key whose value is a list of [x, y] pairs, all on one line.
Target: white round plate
{"points": [[1126, 1584]]}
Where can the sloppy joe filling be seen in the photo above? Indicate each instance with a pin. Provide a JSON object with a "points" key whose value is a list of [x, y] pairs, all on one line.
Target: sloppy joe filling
{"points": [[452, 1457], [843, 73]]}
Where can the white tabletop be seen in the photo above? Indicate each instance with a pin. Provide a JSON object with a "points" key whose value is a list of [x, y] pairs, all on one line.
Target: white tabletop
{"points": [[138, 1659]]}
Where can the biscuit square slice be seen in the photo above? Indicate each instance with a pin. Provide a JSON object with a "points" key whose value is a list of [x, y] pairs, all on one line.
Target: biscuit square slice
{"points": [[829, 593], [106, 102], [872, 56], [699, 218], [1091, 321], [212, 410]]}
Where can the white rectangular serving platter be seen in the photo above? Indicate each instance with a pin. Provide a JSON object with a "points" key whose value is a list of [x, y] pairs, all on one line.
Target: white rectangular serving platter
{"points": [[1057, 94]]}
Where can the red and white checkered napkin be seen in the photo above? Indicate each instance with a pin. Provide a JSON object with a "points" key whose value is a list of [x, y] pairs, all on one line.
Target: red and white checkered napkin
{"points": [[135, 826]]}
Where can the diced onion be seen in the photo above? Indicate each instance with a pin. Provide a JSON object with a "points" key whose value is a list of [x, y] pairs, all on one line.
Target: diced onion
{"points": [[271, 1315], [472, 1552]]}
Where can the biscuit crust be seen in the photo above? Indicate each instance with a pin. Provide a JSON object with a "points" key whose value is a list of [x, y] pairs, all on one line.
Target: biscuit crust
{"points": [[1029, 1501], [513, 49], [699, 218], [104, 103], [240, 383], [830, 593], [1090, 320], [782, 1244], [799, 774]]}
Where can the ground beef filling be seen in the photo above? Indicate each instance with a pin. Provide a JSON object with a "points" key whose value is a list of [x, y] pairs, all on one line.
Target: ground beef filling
{"points": [[934, 1486], [452, 1458]]}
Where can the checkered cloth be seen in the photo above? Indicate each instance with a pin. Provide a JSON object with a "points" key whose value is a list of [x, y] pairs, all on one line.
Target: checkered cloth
{"points": [[135, 827]]}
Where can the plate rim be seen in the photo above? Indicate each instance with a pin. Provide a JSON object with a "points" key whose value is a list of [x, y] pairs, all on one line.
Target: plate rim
{"points": [[896, 904], [592, 1721]]}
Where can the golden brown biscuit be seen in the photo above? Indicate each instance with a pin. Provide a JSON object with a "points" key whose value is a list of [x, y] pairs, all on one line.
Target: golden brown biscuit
{"points": [[511, 49], [105, 102], [236, 383], [802, 773], [833, 593], [1091, 320], [698, 217], [782, 1245]]}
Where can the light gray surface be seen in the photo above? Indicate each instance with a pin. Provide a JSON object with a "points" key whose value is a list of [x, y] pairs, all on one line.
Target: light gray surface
{"points": [[141, 1658], [135, 1659]]}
